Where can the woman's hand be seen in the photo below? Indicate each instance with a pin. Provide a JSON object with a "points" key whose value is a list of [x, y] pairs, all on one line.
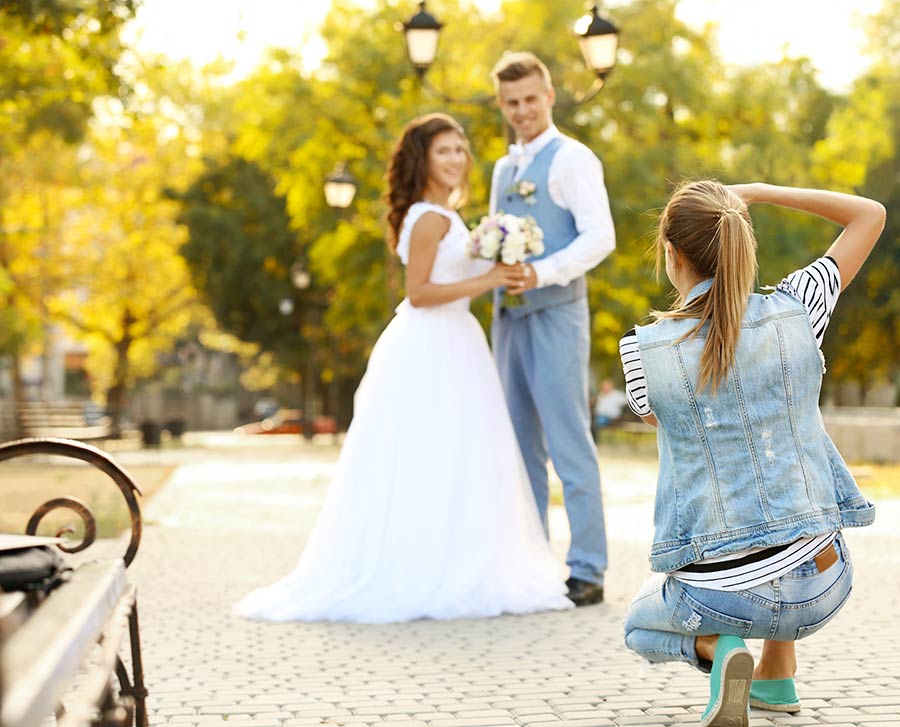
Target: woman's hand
{"points": [[747, 193], [504, 275]]}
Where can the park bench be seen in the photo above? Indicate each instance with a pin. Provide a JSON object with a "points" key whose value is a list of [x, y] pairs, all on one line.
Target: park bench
{"points": [[58, 419], [74, 633], [627, 424]]}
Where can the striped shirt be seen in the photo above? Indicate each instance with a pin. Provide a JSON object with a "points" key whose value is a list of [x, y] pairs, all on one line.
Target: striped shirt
{"points": [[817, 286], [753, 566]]}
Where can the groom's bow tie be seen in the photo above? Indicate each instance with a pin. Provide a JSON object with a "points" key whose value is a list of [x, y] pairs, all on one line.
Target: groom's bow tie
{"points": [[520, 155]]}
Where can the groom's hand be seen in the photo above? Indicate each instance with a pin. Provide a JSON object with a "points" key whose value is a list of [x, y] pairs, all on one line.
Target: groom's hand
{"points": [[527, 280]]}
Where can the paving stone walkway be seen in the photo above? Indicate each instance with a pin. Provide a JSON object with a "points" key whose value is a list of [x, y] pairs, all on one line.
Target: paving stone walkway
{"points": [[233, 517]]}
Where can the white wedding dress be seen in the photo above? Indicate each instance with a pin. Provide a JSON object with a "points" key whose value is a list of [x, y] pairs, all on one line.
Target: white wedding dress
{"points": [[430, 514]]}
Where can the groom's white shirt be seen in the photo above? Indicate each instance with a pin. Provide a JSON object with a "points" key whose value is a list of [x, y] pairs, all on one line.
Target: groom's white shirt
{"points": [[575, 183]]}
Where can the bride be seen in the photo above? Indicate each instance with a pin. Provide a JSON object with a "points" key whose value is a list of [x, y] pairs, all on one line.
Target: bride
{"points": [[430, 514]]}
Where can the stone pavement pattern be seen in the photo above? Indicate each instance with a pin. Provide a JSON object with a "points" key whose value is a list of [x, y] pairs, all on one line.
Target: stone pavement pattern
{"points": [[230, 520]]}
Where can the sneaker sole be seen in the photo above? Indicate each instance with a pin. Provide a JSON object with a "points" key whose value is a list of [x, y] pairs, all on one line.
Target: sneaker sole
{"points": [[789, 708], [734, 692]]}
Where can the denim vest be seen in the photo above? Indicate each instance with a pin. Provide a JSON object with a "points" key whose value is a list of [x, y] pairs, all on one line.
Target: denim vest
{"points": [[557, 223], [750, 465]]}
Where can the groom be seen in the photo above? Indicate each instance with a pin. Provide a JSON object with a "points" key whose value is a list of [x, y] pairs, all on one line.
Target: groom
{"points": [[542, 347]]}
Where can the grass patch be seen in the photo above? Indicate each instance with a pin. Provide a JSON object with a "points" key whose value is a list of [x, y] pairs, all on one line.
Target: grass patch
{"points": [[26, 484]]}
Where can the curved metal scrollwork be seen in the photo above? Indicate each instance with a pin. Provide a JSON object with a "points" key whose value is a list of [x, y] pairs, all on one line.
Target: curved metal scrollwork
{"points": [[76, 506], [95, 457]]}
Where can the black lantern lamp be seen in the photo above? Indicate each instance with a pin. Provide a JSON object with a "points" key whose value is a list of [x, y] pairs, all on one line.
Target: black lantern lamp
{"points": [[599, 40], [422, 31], [340, 187]]}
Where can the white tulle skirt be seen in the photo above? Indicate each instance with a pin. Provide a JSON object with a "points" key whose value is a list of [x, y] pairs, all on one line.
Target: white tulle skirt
{"points": [[430, 514]]}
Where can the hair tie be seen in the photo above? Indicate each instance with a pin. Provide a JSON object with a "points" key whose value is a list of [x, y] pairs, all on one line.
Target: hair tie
{"points": [[729, 210]]}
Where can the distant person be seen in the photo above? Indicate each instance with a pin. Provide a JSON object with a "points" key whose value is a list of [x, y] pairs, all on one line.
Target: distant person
{"points": [[752, 493], [543, 346], [610, 404], [430, 514]]}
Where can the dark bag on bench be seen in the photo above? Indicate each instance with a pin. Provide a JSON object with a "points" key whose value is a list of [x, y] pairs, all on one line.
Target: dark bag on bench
{"points": [[35, 568]]}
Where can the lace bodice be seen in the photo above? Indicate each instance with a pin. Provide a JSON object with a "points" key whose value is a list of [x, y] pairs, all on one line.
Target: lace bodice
{"points": [[452, 262]]}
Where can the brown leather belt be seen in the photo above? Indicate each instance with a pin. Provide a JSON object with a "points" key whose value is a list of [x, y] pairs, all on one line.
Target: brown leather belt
{"points": [[826, 558]]}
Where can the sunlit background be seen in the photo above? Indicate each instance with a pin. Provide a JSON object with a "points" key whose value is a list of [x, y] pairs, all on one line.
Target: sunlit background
{"points": [[827, 31], [191, 194]]}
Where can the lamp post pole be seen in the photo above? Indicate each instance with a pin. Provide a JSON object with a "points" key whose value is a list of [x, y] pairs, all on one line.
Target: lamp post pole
{"points": [[301, 279]]}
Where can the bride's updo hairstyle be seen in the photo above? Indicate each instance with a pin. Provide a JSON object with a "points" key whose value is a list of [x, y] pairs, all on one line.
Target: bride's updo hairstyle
{"points": [[407, 173], [710, 228]]}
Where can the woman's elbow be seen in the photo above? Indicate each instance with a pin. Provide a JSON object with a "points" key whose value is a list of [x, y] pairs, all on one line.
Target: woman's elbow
{"points": [[416, 298], [880, 214]]}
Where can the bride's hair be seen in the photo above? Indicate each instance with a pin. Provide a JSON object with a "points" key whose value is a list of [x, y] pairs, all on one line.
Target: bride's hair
{"points": [[407, 172]]}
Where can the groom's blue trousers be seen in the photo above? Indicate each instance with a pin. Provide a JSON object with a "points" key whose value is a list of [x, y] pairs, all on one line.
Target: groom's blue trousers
{"points": [[543, 362]]}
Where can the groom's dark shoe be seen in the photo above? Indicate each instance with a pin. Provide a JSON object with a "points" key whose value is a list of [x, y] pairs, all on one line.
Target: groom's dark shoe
{"points": [[584, 593]]}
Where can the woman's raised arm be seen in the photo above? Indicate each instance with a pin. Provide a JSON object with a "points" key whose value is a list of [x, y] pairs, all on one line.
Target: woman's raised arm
{"points": [[862, 219]]}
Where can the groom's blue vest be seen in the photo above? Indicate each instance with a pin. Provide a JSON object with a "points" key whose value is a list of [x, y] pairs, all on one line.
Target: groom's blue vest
{"points": [[557, 223]]}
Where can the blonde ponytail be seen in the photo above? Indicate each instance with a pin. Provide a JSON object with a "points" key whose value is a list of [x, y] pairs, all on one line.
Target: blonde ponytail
{"points": [[710, 227], [733, 283]]}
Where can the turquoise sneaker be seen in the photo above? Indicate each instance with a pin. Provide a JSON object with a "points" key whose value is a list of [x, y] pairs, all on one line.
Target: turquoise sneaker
{"points": [[729, 685], [776, 695]]}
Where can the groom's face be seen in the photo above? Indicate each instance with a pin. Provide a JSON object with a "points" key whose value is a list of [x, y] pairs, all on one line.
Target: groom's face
{"points": [[527, 104]]}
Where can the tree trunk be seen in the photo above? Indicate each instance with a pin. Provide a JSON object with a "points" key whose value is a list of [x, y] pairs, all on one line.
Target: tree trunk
{"points": [[18, 392], [115, 395]]}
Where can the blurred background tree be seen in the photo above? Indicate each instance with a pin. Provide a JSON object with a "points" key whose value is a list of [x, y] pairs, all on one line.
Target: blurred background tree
{"points": [[188, 191], [56, 58]]}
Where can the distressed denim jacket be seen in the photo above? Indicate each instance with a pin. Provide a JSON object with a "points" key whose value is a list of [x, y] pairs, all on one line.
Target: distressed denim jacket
{"points": [[750, 465]]}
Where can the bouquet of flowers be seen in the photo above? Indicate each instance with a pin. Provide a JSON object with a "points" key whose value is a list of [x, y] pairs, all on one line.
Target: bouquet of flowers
{"points": [[508, 239]]}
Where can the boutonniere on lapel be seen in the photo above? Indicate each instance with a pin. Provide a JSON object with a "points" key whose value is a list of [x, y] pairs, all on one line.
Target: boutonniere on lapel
{"points": [[526, 190]]}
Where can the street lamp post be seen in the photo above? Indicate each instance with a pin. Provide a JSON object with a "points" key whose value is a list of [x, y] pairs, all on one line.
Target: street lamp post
{"points": [[598, 37], [301, 280]]}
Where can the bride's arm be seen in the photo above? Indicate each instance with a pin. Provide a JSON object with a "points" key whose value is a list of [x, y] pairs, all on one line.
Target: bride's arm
{"points": [[428, 231]]}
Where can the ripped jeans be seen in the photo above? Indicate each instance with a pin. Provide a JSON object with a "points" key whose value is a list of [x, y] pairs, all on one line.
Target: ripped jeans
{"points": [[666, 615]]}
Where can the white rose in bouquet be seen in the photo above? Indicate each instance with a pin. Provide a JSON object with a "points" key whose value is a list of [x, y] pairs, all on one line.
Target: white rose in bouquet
{"points": [[515, 247], [490, 244]]}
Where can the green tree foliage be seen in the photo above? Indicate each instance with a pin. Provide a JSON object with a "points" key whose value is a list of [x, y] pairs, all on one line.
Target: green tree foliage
{"points": [[670, 110], [127, 292], [240, 250], [861, 153], [247, 162], [92, 243], [57, 56], [38, 177]]}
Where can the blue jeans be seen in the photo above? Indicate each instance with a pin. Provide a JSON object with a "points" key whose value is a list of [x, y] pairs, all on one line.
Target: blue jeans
{"points": [[666, 615]]}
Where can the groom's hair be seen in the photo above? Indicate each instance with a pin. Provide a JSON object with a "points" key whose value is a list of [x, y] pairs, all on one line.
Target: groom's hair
{"points": [[515, 65]]}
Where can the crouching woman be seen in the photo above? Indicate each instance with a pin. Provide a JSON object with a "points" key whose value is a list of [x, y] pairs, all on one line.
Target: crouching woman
{"points": [[752, 493]]}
